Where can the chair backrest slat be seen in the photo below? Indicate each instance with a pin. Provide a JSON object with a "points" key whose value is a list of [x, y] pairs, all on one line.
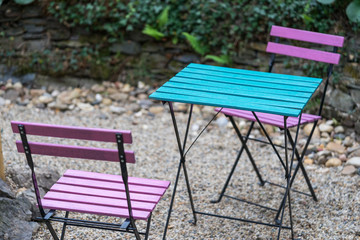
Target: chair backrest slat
{"points": [[311, 54], [307, 36], [82, 133], [76, 152]]}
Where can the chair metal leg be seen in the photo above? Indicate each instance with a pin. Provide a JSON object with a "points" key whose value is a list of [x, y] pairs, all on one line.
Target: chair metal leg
{"points": [[148, 227], [64, 226], [51, 229]]}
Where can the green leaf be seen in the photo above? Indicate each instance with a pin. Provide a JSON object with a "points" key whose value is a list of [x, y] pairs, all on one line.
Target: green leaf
{"points": [[24, 2], [195, 43], [1, 2], [353, 11], [223, 59], [163, 17], [149, 30], [326, 1]]}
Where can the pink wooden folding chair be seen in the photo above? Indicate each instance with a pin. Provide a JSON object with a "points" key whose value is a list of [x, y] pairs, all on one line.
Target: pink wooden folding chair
{"points": [[90, 192], [276, 120]]}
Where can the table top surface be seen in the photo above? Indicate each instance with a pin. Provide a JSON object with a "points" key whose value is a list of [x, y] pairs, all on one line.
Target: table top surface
{"points": [[234, 88]]}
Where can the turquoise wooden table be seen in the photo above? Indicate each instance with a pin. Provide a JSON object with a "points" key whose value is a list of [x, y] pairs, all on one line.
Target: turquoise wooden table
{"points": [[254, 91]]}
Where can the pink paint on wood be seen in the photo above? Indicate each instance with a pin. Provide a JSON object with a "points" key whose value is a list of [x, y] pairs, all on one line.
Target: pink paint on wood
{"points": [[102, 201], [272, 119], [116, 178], [311, 54], [307, 36], [93, 209], [116, 194], [83, 133], [76, 152], [111, 185]]}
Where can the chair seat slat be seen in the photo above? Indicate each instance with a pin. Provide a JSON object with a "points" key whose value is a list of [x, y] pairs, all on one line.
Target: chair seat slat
{"points": [[76, 152], [117, 194], [307, 36], [101, 201], [49, 130], [111, 185], [271, 119], [116, 178], [311, 54], [93, 209]]}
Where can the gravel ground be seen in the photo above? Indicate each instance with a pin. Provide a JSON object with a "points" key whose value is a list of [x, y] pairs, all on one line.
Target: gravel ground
{"points": [[335, 216]]}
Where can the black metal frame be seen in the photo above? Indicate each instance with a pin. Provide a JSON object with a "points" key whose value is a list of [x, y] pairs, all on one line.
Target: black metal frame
{"points": [[182, 165], [128, 226]]}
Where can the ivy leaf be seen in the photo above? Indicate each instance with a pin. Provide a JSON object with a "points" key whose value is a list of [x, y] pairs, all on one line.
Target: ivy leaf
{"points": [[326, 1], [163, 17], [195, 43], [353, 11], [23, 2], [149, 30], [223, 59], [1, 2]]}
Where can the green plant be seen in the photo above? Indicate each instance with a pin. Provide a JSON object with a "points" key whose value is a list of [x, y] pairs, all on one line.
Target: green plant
{"points": [[223, 59], [352, 10], [23, 2], [152, 32], [196, 44]]}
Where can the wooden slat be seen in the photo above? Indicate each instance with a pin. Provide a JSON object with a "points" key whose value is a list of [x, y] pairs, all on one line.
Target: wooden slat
{"points": [[311, 54], [111, 185], [102, 201], [231, 98], [243, 82], [116, 178], [93, 209], [234, 92], [240, 88], [249, 77], [307, 36], [254, 73], [272, 119], [117, 194], [76, 152], [96, 134], [223, 103]]}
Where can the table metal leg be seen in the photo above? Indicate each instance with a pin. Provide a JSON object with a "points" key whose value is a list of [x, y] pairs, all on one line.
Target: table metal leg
{"points": [[181, 165]]}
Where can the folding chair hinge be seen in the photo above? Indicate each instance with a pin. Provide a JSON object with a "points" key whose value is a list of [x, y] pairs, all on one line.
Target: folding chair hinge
{"points": [[126, 224], [49, 214]]}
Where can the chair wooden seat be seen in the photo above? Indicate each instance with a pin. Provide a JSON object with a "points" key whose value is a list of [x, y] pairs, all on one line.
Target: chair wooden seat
{"points": [[104, 194], [267, 118]]}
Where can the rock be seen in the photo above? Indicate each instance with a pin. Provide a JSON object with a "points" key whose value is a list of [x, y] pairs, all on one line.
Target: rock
{"points": [[354, 153], [46, 98], [97, 88], [156, 109], [348, 142], [355, 95], [333, 162], [33, 28], [14, 219], [339, 129], [33, 36], [307, 130], [11, 94], [127, 47], [325, 128], [348, 170], [2, 102], [5, 190], [58, 105], [13, 32], [343, 157], [66, 97], [36, 92], [117, 110], [85, 106], [335, 147], [98, 98], [308, 161], [187, 58], [59, 34], [341, 101], [325, 135], [107, 101], [354, 161], [145, 104], [118, 96], [340, 136], [31, 12]]}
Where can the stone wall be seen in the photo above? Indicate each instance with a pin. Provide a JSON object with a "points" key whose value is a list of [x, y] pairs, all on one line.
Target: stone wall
{"points": [[26, 32]]}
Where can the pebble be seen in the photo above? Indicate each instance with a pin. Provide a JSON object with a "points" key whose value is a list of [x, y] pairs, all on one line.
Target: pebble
{"points": [[156, 109], [348, 170], [333, 162], [354, 161], [339, 129], [307, 130], [325, 128], [85, 106], [117, 110], [335, 147], [107, 101], [343, 157], [46, 98], [308, 161]]}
